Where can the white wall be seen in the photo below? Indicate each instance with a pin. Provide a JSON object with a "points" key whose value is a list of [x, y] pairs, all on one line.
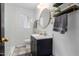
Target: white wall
{"points": [[14, 23], [68, 44]]}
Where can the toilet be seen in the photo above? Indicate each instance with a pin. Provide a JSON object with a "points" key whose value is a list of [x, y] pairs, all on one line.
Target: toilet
{"points": [[21, 49]]}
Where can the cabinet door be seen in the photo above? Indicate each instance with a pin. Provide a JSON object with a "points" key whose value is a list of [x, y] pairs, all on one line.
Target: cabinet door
{"points": [[44, 47]]}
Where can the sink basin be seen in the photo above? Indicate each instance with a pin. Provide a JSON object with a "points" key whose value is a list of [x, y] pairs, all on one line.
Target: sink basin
{"points": [[38, 36]]}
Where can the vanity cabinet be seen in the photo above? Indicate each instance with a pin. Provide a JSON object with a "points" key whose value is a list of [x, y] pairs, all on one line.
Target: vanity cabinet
{"points": [[41, 46]]}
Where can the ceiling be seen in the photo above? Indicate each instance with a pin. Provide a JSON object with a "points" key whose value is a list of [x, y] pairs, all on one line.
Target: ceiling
{"points": [[32, 6]]}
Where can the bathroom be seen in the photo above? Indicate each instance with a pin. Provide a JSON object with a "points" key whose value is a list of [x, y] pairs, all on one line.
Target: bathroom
{"points": [[21, 21]]}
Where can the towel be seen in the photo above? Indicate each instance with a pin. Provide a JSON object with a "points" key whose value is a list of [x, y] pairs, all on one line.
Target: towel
{"points": [[35, 24], [60, 24]]}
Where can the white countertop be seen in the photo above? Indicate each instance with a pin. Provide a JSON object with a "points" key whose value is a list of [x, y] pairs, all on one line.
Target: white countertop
{"points": [[37, 36]]}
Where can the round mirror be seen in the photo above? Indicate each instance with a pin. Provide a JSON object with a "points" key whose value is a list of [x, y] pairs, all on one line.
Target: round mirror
{"points": [[45, 18]]}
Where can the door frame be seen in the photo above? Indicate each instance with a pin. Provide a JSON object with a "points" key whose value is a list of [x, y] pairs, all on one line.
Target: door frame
{"points": [[2, 44]]}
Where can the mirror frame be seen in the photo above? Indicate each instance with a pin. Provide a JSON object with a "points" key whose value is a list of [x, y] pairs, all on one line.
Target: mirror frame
{"points": [[48, 20]]}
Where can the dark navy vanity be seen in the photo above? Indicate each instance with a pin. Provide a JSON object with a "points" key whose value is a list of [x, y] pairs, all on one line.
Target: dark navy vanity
{"points": [[41, 46]]}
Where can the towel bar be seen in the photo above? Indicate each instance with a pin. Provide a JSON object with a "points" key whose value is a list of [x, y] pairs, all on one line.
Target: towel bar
{"points": [[69, 9]]}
